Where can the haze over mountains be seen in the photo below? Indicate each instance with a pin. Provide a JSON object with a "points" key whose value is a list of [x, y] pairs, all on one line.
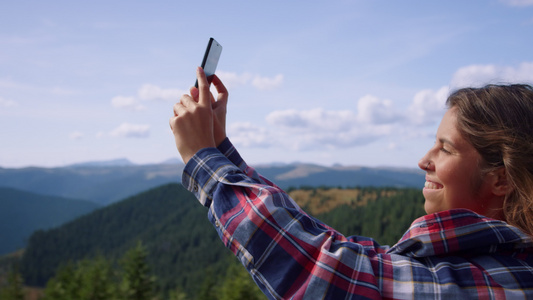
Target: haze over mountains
{"points": [[106, 182], [38, 198]]}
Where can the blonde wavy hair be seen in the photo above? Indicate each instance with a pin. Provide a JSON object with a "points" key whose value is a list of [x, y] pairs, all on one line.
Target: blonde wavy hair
{"points": [[498, 121]]}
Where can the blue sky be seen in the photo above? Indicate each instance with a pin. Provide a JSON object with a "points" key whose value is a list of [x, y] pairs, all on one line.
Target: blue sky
{"points": [[327, 82]]}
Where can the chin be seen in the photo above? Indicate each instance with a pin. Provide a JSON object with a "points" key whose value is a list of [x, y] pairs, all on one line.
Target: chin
{"points": [[430, 209]]}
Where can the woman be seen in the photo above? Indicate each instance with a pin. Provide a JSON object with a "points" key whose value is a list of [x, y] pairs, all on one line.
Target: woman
{"points": [[478, 185]]}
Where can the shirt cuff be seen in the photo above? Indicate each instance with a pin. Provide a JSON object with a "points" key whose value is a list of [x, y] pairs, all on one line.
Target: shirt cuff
{"points": [[227, 148], [204, 171]]}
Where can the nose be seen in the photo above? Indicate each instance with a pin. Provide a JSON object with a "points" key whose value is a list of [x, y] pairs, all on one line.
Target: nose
{"points": [[424, 163]]}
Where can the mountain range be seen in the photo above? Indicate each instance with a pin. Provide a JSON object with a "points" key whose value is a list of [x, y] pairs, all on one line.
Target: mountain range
{"points": [[108, 182], [39, 198]]}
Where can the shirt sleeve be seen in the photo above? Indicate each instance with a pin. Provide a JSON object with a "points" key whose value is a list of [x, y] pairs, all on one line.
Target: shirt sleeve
{"points": [[288, 253], [227, 148]]}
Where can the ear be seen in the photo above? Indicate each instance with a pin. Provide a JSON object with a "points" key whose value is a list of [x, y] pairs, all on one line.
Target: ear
{"points": [[500, 184]]}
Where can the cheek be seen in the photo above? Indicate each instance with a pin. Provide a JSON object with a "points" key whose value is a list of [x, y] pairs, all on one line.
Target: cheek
{"points": [[452, 179], [447, 173], [460, 185]]}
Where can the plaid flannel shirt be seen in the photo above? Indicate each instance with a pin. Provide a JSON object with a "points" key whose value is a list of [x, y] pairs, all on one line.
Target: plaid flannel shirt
{"points": [[454, 254]]}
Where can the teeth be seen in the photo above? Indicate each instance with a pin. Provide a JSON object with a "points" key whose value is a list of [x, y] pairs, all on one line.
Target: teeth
{"points": [[431, 185]]}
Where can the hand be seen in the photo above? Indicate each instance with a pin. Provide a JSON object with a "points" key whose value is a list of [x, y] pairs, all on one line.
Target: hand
{"points": [[219, 109], [192, 124]]}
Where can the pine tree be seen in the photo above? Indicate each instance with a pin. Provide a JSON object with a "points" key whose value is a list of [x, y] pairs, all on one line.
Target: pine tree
{"points": [[14, 289], [208, 287], [137, 283], [86, 280], [238, 285], [97, 279], [177, 294], [64, 285]]}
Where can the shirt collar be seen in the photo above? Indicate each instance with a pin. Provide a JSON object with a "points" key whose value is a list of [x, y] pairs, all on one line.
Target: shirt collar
{"points": [[460, 232]]}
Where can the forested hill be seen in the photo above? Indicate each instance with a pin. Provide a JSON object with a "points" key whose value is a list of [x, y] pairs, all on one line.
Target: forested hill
{"points": [[184, 250], [21, 213]]}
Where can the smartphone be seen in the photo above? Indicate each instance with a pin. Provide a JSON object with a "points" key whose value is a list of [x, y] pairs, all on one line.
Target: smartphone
{"points": [[210, 61]]}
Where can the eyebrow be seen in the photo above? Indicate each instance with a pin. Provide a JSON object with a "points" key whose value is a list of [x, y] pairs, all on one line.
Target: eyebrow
{"points": [[446, 141]]}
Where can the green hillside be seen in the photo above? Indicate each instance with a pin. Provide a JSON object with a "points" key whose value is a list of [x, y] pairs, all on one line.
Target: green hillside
{"points": [[184, 251], [21, 213]]}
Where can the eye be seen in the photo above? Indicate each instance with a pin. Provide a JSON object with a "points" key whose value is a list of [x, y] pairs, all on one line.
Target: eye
{"points": [[444, 150]]}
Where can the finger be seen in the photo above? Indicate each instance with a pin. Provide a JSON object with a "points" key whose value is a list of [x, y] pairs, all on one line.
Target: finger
{"points": [[187, 101], [221, 88], [181, 111], [194, 93], [175, 109], [172, 121], [203, 88]]}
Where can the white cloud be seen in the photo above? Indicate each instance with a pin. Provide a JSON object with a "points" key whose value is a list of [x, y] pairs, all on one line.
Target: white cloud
{"points": [[517, 2], [131, 131], [147, 92], [153, 92], [129, 103], [372, 119], [428, 106], [266, 83], [232, 80], [308, 129], [246, 134], [76, 135], [371, 109], [480, 75], [314, 119], [7, 103]]}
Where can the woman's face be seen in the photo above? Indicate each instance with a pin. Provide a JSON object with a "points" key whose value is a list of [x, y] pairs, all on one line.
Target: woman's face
{"points": [[453, 178]]}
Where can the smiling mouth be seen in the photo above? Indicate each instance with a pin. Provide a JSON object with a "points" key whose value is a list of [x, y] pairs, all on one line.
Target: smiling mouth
{"points": [[432, 185]]}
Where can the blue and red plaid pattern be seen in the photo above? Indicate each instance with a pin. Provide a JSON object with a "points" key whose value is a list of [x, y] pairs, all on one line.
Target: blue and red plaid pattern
{"points": [[454, 254]]}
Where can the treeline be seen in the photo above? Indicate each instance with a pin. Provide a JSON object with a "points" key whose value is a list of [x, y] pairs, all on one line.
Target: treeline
{"points": [[131, 279], [171, 224], [183, 252], [385, 215]]}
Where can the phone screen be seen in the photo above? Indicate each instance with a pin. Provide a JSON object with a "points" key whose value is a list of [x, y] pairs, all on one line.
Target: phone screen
{"points": [[210, 61]]}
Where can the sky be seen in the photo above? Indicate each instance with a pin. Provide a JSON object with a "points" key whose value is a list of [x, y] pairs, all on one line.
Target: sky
{"points": [[355, 83]]}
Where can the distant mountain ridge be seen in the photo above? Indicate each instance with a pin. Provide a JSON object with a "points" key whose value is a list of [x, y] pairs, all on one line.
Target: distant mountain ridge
{"points": [[99, 184], [108, 182], [106, 163]]}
